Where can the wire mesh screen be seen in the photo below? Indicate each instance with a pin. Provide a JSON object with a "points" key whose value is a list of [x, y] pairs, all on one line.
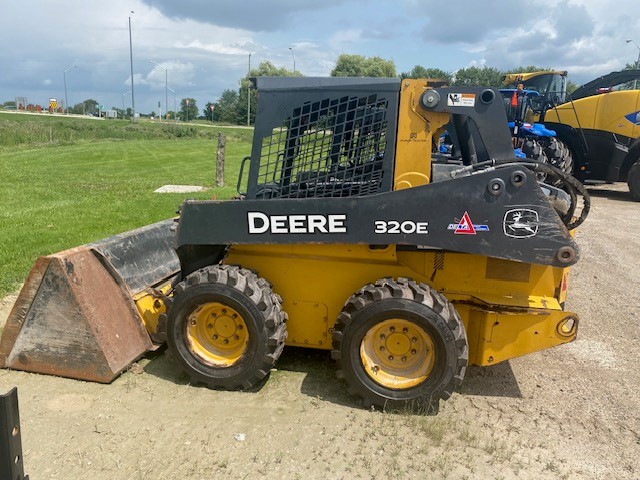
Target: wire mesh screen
{"points": [[334, 147]]}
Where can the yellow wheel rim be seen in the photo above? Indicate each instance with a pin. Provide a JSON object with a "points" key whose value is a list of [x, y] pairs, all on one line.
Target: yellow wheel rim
{"points": [[217, 334], [397, 354]]}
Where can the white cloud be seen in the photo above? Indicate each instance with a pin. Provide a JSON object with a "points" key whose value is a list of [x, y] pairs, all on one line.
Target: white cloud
{"points": [[344, 39]]}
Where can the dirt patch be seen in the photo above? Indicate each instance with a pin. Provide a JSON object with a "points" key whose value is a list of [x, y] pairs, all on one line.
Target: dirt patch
{"points": [[569, 412]]}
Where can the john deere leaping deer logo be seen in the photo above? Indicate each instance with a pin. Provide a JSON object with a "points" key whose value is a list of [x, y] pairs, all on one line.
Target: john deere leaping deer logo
{"points": [[520, 223]]}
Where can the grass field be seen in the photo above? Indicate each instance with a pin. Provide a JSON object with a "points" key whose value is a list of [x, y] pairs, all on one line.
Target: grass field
{"points": [[95, 179]]}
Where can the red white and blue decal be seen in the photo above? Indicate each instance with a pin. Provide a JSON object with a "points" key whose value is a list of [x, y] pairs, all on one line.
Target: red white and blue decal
{"points": [[466, 227]]}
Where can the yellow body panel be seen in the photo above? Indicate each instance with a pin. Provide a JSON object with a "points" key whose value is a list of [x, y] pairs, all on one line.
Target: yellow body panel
{"points": [[150, 305], [415, 137], [604, 112], [508, 308], [513, 78]]}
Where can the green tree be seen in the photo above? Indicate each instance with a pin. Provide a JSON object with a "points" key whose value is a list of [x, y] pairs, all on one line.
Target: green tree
{"points": [[478, 76], [188, 109], [359, 66], [420, 72], [265, 69], [527, 69], [209, 113], [571, 86], [88, 106], [10, 104], [227, 106]]}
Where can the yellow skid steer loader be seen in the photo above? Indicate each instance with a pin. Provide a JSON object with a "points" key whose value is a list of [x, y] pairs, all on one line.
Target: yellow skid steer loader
{"points": [[350, 235]]}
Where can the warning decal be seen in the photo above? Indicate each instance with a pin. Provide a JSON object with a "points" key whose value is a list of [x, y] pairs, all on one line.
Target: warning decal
{"points": [[466, 227], [461, 100]]}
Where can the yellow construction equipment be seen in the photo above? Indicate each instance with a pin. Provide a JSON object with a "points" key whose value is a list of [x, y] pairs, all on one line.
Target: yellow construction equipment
{"points": [[599, 122], [350, 236]]}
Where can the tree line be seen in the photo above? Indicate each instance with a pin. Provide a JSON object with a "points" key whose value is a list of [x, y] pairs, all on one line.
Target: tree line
{"points": [[231, 107]]}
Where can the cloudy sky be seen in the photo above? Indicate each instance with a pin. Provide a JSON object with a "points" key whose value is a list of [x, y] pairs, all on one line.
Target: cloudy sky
{"points": [[205, 44]]}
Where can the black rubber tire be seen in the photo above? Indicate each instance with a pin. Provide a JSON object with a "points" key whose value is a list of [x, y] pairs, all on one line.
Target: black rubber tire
{"points": [[418, 303], [535, 151], [253, 298], [633, 181], [558, 154]]}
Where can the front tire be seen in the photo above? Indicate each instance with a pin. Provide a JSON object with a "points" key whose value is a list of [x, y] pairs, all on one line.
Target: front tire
{"points": [[400, 344], [226, 327]]}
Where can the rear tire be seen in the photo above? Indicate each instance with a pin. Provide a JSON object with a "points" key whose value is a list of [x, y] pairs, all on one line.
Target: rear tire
{"points": [[400, 344], [633, 181], [226, 327], [558, 155]]}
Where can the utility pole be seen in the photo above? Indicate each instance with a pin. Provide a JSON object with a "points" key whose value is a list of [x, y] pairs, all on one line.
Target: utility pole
{"points": [[249, 93], [166, 85], [66, 102], [637, 65], [294, 60], [133, 100]]}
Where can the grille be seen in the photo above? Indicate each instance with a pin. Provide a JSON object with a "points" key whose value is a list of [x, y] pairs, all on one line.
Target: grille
{"points": [[332, 147]]}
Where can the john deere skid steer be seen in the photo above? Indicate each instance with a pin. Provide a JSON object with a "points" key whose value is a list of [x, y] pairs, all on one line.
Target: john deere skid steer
{"points": [[349, 236]]}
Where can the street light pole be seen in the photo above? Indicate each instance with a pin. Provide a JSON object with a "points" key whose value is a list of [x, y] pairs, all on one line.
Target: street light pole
{"points": [[66, 102], [249, 93], [637, 65], [123, 110], [166, 85], [294, 60], [175, 117], [133, 100]]}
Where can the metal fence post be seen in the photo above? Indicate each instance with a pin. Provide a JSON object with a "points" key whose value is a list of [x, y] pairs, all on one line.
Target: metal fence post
{"points": [[11, 464], [220, 160]]}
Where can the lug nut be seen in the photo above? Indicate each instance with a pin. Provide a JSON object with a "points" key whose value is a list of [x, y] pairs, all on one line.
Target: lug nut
{"points": [[382, 336], [215, 337], [413, 351], [225, 341], [213, 315], [375, 368], [224, 310], [405, 330], [404, 359], [393, 329], [239, 327], [382, 348], [237, 337], [210, 325], [235, 315], [193, 322], [390, 357], [414, 339]]}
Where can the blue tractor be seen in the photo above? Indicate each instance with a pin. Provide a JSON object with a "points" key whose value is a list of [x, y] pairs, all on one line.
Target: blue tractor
{"points": [[533, 140]]}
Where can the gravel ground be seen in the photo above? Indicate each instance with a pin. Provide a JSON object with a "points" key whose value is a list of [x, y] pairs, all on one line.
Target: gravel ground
{"points": [[569, 412]]}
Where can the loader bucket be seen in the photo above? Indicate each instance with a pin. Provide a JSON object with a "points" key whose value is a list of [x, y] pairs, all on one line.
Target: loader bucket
{"points": [[76, 317]]}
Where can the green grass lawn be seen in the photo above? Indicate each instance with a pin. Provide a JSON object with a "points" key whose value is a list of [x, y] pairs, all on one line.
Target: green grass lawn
{"points": [[59, 195]]}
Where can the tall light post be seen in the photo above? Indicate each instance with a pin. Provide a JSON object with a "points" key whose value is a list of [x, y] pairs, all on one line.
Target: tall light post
{"points": [[249, 93], [175, 117], [637, 65], [133, 100], [294, 60], [123, 95], [66, 102], [166, 86]]}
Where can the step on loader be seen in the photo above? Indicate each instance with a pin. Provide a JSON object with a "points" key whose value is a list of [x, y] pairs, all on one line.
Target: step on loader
{"points": [[349, 235]]}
